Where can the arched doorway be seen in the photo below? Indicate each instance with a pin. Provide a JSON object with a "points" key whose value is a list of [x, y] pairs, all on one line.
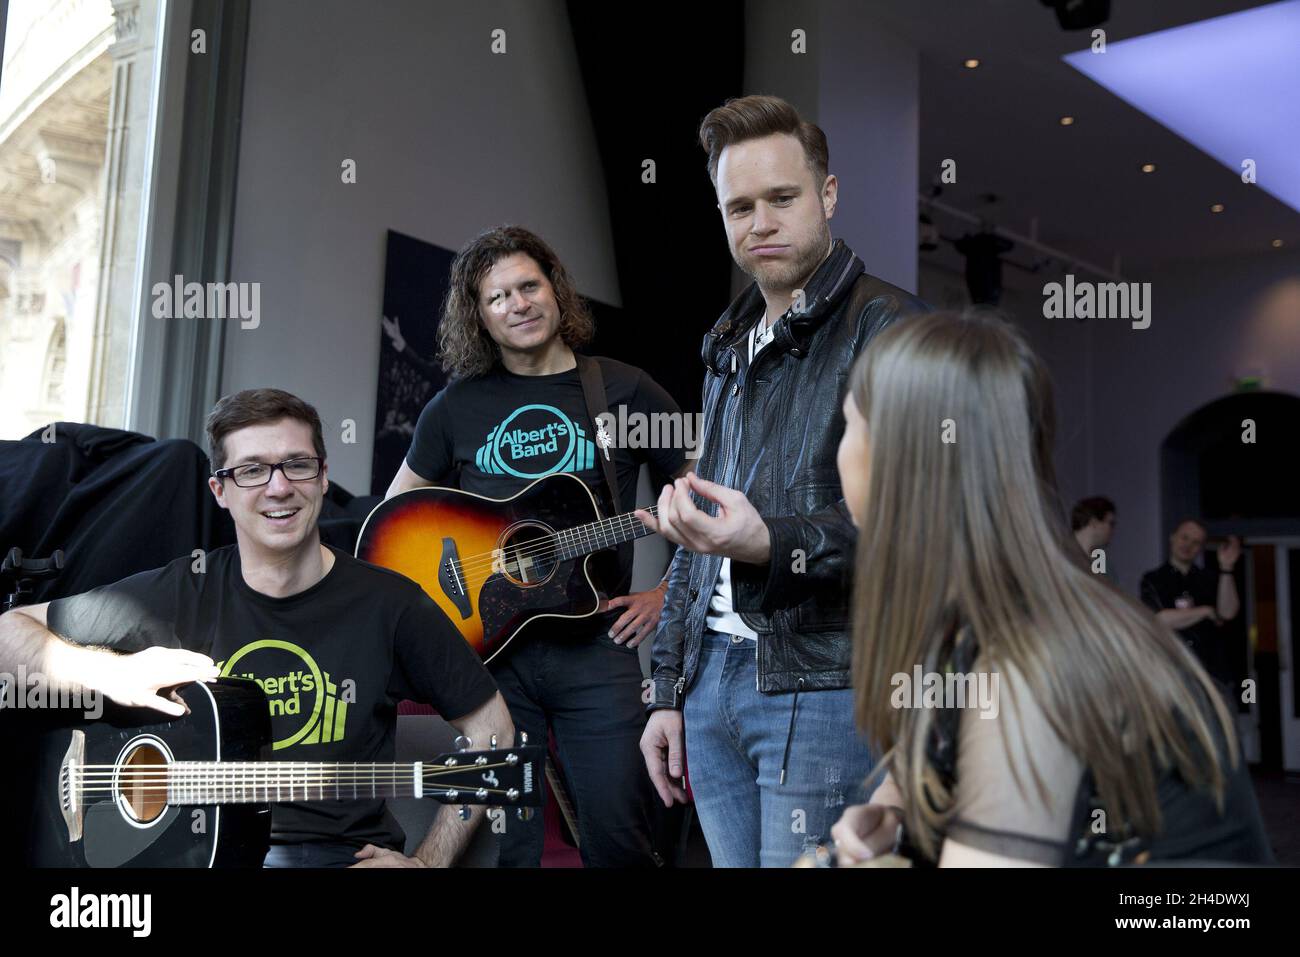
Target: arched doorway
{"points": [[1231, 465]]}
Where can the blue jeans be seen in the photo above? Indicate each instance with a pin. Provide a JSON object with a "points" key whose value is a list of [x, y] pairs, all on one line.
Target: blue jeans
{"points": [[735, 749], [311, 855]]}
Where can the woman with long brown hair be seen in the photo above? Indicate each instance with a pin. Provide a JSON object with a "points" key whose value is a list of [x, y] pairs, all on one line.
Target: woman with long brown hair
{"points": [[1094, 736]]}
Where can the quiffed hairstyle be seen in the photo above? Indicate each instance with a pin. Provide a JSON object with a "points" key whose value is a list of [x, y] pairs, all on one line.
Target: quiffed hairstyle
{"points": [[255, 407], [464, 347], [1086, 509], [752, 117]]}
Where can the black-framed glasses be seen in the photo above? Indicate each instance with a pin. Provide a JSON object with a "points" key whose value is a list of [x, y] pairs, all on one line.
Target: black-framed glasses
{"points": [[256, 473]]}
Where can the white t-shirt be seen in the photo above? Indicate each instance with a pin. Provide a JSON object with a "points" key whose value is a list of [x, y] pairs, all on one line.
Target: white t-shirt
{"points": [[722, 616]]}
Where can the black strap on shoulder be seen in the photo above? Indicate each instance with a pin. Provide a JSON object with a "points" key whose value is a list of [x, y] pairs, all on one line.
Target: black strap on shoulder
{"points": [[593, 392]]}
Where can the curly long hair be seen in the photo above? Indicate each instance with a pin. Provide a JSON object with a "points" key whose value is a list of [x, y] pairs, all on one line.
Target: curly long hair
{"points": [[464, 347]]}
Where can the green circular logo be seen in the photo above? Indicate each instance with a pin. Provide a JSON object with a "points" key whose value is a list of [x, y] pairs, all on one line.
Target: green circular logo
{"points": [[275, 644]]}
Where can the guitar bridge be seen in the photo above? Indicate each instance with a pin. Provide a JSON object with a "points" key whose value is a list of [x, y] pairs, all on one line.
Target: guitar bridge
{"points": [[70, 785], [451, 578]]}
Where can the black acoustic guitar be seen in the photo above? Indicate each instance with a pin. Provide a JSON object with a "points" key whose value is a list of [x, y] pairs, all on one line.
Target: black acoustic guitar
{"points": [[129, 790]]}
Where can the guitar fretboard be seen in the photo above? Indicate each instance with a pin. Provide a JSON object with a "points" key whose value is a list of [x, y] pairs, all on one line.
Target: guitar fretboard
{"points": [[196, 782], [605, 533]]}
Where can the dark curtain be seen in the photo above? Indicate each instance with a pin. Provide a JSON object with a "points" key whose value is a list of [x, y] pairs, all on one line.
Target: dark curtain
{"points": [[649, 81]]}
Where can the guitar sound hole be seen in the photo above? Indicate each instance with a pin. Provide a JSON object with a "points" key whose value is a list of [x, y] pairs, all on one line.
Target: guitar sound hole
{"points": [[528, 554], [142, 783]]}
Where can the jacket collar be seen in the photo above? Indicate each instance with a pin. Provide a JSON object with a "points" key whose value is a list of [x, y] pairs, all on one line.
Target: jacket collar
{"points": [[828, 285]]}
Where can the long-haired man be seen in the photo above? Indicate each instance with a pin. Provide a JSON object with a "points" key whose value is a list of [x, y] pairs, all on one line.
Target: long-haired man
{"points": [[510, 326]]}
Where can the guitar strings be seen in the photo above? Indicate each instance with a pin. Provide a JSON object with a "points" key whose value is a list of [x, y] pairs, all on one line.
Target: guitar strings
{"points": [[488, 559], [101, 771], [163, 780], [550, 546]]}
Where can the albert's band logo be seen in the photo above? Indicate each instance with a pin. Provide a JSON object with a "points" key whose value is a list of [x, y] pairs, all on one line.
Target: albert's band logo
{"points": [[533, 441]]}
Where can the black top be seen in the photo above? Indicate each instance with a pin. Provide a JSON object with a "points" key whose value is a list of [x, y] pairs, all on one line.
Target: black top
{"points": [[1167, 587], [334, 661], [988, 755], [496, 433]]}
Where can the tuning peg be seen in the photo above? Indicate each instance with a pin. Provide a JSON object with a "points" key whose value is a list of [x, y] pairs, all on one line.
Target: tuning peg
{"points": [[462, 743], [512, 795], [523, 738], [464, 813], [524, 813], [492, 742]]}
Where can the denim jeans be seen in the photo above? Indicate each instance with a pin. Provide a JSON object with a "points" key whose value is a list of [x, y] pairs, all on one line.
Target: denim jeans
{"points": [[735, 749], [311, 855], [588, 691]]}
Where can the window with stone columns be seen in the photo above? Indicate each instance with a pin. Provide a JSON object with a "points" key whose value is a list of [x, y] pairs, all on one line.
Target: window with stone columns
{"points": [[76, 96]]}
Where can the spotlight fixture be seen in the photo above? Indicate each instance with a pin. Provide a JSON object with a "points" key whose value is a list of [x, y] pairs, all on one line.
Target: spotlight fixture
{"points": [[1148, 167], [972, 63], [1067, 121], [1080, 14], [1277, 244], [927, 234], [1216, 208]]}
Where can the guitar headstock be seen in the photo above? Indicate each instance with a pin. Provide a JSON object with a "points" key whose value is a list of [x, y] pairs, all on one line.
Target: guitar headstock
{"points": [[499, 777]]}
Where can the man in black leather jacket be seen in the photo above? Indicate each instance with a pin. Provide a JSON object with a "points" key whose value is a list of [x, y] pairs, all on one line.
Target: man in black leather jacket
{"points": [[752, 643]]}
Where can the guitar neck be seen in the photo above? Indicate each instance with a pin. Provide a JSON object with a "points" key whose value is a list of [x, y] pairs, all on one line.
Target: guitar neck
{"points": [[197, 782], [605, 533]]}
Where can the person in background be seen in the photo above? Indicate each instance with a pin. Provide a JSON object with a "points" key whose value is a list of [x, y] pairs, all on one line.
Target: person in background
{"points": [[1194, 600], [1093, 522]]}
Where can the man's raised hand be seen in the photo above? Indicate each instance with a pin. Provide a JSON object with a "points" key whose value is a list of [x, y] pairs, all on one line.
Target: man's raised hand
{"points": [[737, 532]]}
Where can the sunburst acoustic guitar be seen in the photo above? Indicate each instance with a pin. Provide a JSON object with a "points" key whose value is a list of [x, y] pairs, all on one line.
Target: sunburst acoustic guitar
{"points": [[494, 565]]}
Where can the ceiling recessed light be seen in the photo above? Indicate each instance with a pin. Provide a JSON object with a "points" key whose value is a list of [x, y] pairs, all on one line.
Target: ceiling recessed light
{"points": [[1216, 208], [1277, 244], [1067, 121], [972, 63], [1148, 167]]}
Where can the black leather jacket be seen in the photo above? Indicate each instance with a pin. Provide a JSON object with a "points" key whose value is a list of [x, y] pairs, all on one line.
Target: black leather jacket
{"points": [[782, 456]]}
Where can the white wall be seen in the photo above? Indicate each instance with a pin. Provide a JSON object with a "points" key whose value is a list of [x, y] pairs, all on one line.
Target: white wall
{"points": [[449, 139], [1119, 391], [861, 85], [1211, 323]]}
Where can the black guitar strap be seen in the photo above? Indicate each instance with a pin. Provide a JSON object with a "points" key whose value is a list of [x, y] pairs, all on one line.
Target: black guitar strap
{"points": [[593, 391]]}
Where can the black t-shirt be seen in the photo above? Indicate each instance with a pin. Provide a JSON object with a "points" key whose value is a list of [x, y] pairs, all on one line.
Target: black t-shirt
{"points": [[1167, 587], [334, 661], [496, 433]]}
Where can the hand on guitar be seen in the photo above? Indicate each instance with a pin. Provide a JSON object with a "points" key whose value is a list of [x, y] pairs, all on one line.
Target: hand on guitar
{"points": [[664, 750], [865, 831], [371, 856], [737, 532], [640, 619], [137, 680]]}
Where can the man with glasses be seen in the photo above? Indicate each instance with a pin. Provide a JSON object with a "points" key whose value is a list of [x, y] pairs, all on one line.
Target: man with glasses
{"points": [[334, 642]]}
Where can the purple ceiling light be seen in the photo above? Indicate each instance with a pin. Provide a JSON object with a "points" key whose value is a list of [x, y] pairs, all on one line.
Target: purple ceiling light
{"points": [[1229, 86]]}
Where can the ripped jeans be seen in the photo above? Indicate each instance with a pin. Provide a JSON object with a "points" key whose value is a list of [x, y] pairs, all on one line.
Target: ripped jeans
{"points": [[736, 748]]}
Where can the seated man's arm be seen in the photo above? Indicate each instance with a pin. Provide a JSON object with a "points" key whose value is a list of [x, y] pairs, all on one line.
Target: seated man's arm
{"points": [[134, 680], [449, 835]]}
